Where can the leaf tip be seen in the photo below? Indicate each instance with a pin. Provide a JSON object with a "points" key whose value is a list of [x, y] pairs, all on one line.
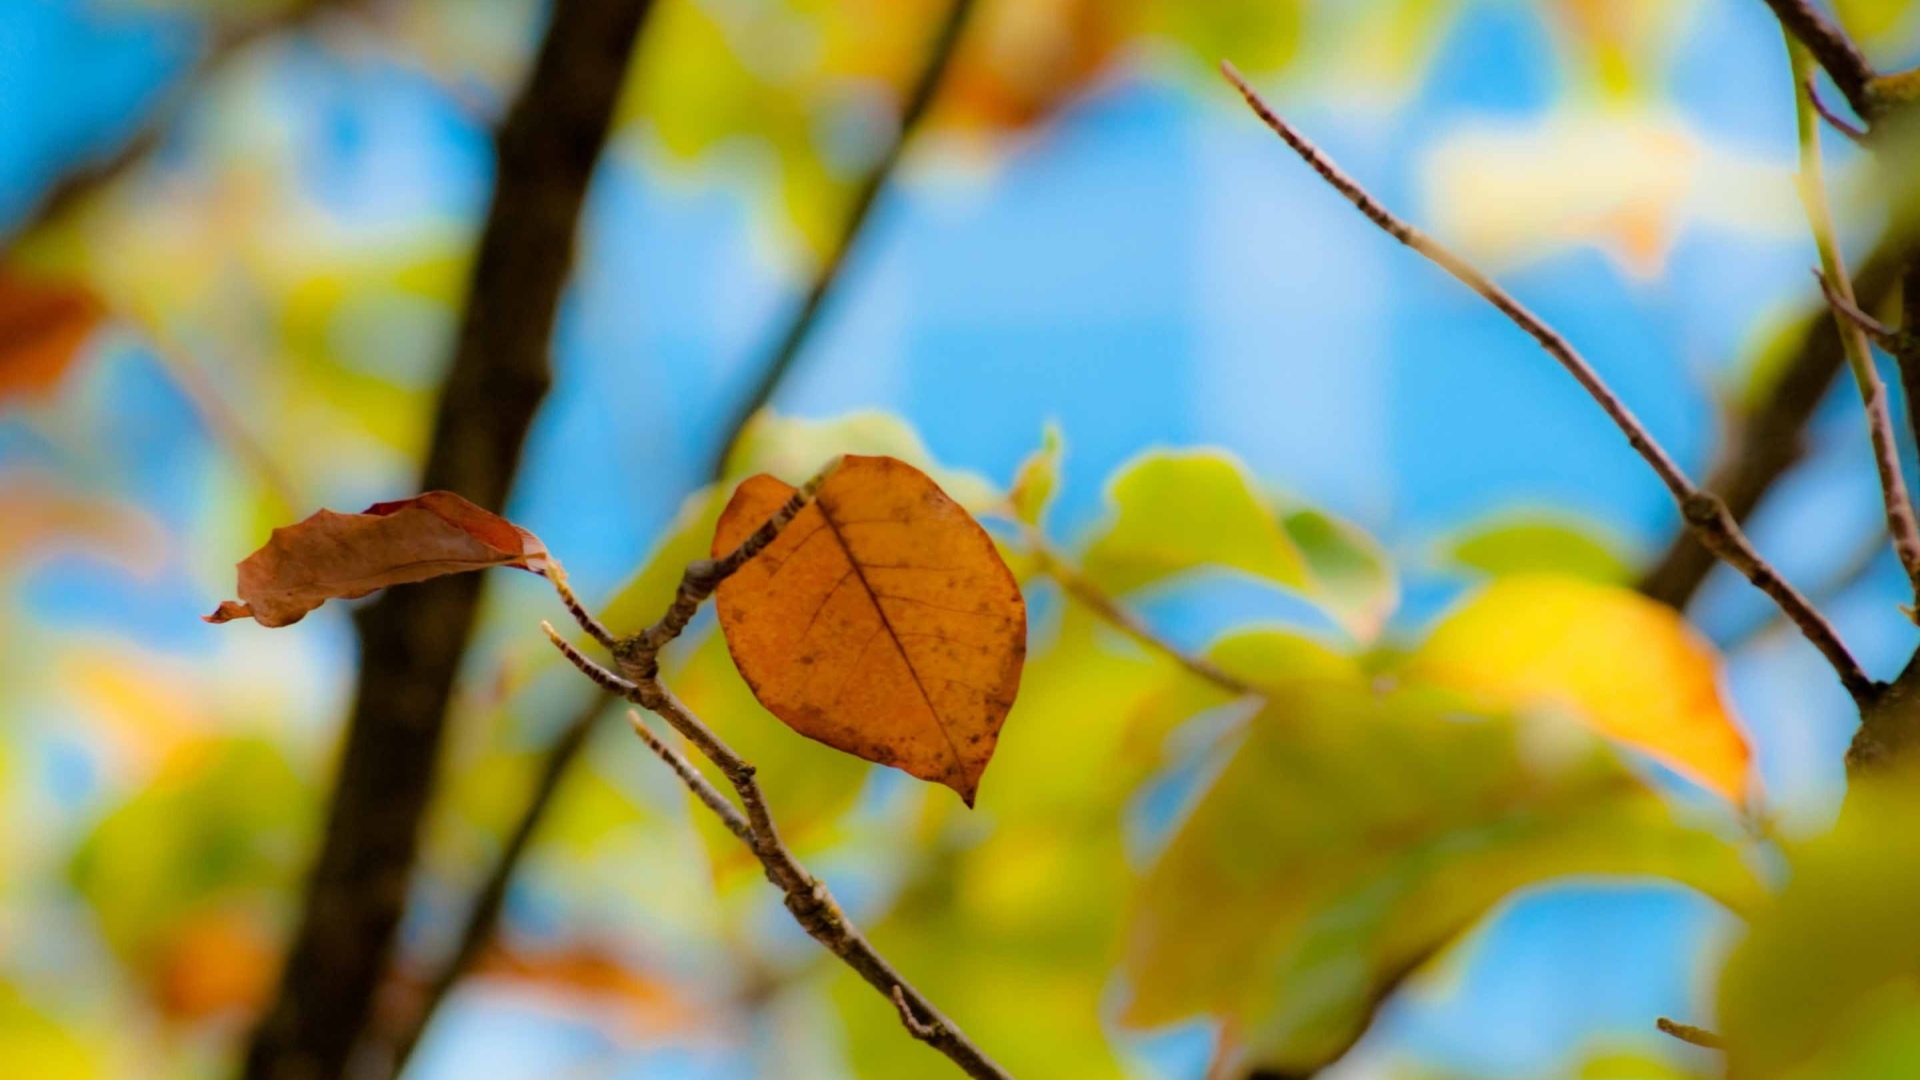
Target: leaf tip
{"points": [[228, 611]]}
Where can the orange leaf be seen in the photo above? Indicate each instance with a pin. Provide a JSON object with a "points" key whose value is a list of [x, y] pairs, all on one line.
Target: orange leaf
{"points": [[218, 961], [593, 973], [1632, 668], [881, 622], [333, 556], [42, 328]]}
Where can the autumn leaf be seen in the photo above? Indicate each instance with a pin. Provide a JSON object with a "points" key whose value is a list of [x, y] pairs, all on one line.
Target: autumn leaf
{"points": [[881, 621], [592, 974], [332, 556], [43, 326], [1628, 666]]}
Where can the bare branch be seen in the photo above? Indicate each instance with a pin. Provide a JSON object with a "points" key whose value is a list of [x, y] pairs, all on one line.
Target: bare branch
{"points": [[1703, 512], [1901, 525], [594, 627], [1859, 562], [639, 654], [1687, 1033], [1846, 306], [709, 795], [791, 342], [1768, 438], [807, 898], [1843, 60], [1857, 135], [780, 361]]}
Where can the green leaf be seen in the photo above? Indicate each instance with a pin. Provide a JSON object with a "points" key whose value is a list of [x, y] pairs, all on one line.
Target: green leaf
{"points": [[1260, 36], [1881, 21], [794, 448], [1038, 479], [1350, 573], [1540, 544], [1176, 511], [1352, 836], [1824, 985]]}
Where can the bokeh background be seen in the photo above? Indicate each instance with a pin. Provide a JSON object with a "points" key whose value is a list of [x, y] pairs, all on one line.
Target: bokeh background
{"points": [[1089, 231]]}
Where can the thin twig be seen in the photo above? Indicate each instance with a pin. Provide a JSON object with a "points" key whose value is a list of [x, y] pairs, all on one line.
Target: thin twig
{"points": [[1076, 585], [221, 421], [807, 898], [1767, 438], [638, 655], [1845, 62], [1901, 525], [1687, 1033], [1849, 309], [595, 629], [1702, 511], [1859, 562], [1855, 134], [786, 351], [709, 795]]}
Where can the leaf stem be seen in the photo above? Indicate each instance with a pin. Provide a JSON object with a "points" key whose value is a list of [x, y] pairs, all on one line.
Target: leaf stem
{"points": [[1075, 584], [1687, 1033], [1703, 511]]}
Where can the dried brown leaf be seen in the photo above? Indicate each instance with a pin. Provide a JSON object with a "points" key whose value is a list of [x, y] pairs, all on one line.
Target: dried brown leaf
{"points": [[332, 556]]}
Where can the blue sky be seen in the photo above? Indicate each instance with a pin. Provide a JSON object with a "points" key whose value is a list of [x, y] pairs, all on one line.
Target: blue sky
{"points": [[1155, 271]]}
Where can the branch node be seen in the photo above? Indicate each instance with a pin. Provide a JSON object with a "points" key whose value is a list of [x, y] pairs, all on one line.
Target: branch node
{"points": [[1706, 514], [1703, 509]]}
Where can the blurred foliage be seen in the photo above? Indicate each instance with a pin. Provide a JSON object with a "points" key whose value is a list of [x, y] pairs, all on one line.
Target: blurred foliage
{"points": [[1824, 983], [1149, 849], [1540, 545]]}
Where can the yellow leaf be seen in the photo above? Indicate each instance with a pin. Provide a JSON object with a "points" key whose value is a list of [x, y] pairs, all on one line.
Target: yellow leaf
{"points": [[1631, 668]]}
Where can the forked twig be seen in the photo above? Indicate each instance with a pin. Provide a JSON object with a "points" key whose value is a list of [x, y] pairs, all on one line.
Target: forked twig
{"points": [[1838, 286], [807, 898], [1703, 511], [1845, 62]]}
